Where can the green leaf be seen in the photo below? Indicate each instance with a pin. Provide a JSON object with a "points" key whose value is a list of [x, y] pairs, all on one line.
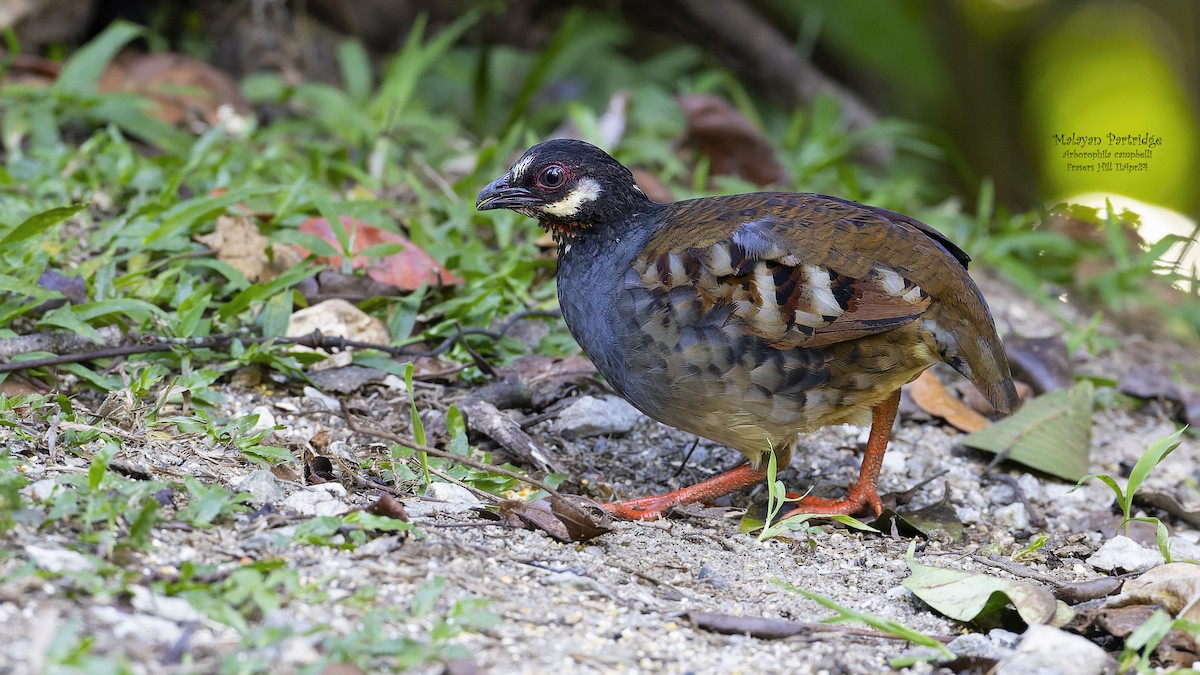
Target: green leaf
{"points": [[1051, 433], [356, 70], [426, 597], [40, 222], [980, 598], [99, 465], [82, 71], [65, 317], [1155, 454], [845, 614]]}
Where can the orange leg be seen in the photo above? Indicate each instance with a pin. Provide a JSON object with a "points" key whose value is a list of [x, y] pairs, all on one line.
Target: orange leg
{"points": [[863, 492], [653, 507]]}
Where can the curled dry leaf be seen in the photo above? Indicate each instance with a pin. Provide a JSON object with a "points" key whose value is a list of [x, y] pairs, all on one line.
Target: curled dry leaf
{"points": [[569, 518], [981, 598], [733, 145], [409, 269], [238, 242], [1043, 362], [389, 507], [1179, 384], [932, 396], [184, 89]]}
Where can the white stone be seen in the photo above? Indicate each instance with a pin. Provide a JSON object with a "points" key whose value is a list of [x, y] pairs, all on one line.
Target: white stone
{"points": [[263, 486], [1012, 516], [1049, 651], [266, 418], [42, 490], [591, 416], [58, 559], [313, 502], [1124, 554]]}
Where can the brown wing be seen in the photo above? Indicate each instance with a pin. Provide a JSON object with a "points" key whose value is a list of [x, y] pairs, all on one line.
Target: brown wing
{"points": [[811, 271], [790, 280]]}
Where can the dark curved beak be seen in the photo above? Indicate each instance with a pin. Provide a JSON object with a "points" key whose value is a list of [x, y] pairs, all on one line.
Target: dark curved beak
{"points": [[498, 194]]}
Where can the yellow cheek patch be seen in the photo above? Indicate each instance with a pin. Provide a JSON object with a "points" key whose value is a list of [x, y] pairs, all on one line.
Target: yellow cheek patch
{"points": [[587, 190]]}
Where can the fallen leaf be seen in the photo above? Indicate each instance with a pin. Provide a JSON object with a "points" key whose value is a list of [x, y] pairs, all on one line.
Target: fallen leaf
{"points": [[733, 145], [1075, 592], [318, 469], [388, 506], [980, 598], [569, 519], [183, 89], [1174, 586], [484, 418], [1187, 512], [238, 242], [932, 396], [763, 628], [330, 284], [1041, 362], [408, 269], [1178, 383], [1050, 433]]}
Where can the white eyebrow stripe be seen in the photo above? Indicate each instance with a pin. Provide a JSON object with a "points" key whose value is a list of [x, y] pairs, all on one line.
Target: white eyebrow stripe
{"points": [[518, 170], [588, 190]]}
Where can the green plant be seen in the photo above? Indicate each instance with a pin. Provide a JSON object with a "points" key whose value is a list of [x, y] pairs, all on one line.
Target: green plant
{"points": [[844, 614], [1153, 456]]}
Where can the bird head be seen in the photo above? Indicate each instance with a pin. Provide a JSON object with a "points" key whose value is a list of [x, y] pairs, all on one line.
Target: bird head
{"points": [[569, 186]]}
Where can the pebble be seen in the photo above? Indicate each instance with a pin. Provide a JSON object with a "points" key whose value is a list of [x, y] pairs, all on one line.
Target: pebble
{"points": [[263, 486], [42, 490], [313, 501], [58, 559], [1045, 650], [591, 416], [266, 418], [441, 498], [980, 646], [1125, 555], [1012, 516]]}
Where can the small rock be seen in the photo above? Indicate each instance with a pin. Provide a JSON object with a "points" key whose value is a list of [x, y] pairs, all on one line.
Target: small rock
{"points": [[42, 490], [1182, 549], [967, 515], [591, 416], [980, 646], [319, 397], [263, 486], [174, 609], [144, 628], [1048, 651], [441, 498], [266, 418], [58, 559], [1124, 554], [314, 502], [1012, 516]]}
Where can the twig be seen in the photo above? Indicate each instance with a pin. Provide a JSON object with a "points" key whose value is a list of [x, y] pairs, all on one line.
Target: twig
{"points": [[1017, 570], [353, 425], [313, 340]]}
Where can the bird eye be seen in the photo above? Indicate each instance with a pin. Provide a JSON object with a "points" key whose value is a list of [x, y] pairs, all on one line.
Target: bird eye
{"points": [[552, 177]]}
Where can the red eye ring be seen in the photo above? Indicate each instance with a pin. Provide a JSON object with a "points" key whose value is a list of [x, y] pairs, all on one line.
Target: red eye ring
{"points": [[552, 177]]}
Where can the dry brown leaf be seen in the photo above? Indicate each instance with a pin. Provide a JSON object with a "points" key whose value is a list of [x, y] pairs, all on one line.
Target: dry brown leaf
{"points": [[185, 89], [733, 145], [933, 397], [408, 270], [238, 243]]}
